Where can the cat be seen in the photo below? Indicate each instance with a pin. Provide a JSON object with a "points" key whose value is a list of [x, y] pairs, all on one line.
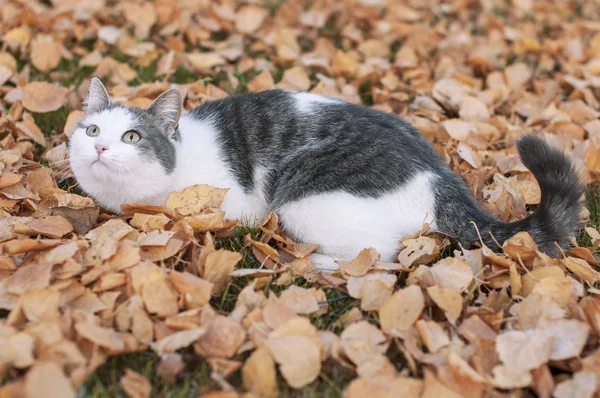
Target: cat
{"points": [[343, 176]]}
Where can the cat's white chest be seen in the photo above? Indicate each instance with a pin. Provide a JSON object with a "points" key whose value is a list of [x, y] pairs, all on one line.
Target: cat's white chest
{"points": [[199, 162]]}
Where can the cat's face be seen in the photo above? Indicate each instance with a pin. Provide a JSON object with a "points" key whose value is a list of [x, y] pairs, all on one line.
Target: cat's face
{"points": [[120, 155]]}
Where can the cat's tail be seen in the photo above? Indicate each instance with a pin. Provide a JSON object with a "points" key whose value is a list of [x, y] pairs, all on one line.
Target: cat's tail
{"points": [[559, 215]]}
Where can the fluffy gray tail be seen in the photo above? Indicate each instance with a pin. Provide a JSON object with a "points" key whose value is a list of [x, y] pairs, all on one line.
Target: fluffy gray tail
{"points": [[558, 217]]}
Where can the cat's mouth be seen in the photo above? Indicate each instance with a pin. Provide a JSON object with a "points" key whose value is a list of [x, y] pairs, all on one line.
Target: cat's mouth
{"points": [[100, 163]]}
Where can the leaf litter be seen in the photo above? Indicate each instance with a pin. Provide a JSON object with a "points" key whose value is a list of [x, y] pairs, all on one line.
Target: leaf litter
{"points": [[79, 285]]}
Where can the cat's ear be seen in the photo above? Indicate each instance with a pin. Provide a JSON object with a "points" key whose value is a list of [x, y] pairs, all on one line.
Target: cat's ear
{"points": [[98, 98], [167, 108]]}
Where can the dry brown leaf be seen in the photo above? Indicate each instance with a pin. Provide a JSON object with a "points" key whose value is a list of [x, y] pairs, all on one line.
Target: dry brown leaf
{"points": [[362, 341], [31, 130], [421, 250], [300, 300], [433, 335], [104, 337], [298, 357], [177, 340], [45, 53], [384, 386], [51, 226], [452, 273], [249, 18], [373, 294], [135, 385], [355, 284], [47, 379], [203, 62], [399, 312], [40, 305], [524, 350], [218, 268], [195, 199], [582, 384], [505, 377], [275, 313], [196, 292], [259, 375], [261, 82], [582, 269], [170, 367], [222, 339], [149, 222], [448, 300], [569, 336], [43, 97], [28, 278], [160, 297], [361, 264], [16, 349]]}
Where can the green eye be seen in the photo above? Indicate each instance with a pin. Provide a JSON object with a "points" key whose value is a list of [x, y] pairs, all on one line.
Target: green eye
{"points": [[131, 137], [93, 131]]}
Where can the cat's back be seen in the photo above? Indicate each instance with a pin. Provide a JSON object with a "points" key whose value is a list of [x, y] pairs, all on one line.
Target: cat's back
{"points": [[244, 106]]}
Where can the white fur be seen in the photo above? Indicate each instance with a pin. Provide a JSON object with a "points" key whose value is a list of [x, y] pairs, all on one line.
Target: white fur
{"points": [[343, 224], [308, 102]]}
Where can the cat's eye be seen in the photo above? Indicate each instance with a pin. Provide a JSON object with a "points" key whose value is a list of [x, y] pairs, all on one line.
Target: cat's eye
{"points": [[131, 137], [93, 131]]}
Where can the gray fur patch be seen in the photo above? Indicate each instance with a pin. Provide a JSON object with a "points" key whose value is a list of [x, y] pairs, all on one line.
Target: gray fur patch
{"points": [[155, 144]]}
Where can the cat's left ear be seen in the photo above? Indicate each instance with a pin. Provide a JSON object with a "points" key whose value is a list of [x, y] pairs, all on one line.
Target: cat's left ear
{"points": [[167, 109], [98, 98]]}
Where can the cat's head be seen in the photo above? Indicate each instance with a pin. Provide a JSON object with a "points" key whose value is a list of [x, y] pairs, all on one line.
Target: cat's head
{"points": [[120, 154]]}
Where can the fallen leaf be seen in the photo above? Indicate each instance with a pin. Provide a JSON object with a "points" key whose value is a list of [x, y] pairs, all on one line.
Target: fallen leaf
{"points": [[261, 82], [524, 350], [135, 385], [218, 268], [452, 273], [258, 373], [196, 292], [160, 297], [361, 264], [177, 340], [43, 97], [170, 367], [222, 339], [399, 312], [28, 278], [104, 337], [506, 377], [249, 18], [298, 357], [149, 222], [300, 300], [582, 384], [448, 300], [47, 379], [433, 335], [361, 342]]}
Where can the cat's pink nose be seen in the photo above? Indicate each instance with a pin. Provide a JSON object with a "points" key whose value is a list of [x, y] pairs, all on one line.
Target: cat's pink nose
{"points": [[100, 149]]}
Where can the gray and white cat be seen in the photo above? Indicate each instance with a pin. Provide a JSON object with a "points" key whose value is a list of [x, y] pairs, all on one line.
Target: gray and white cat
{"points": [[340, 175]]}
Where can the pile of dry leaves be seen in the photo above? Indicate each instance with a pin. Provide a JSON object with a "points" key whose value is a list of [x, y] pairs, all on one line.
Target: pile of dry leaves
{"points": [[78, 285]]}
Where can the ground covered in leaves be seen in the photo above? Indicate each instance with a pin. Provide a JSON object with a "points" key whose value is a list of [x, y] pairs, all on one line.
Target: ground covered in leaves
{"points": [[177, 301]]}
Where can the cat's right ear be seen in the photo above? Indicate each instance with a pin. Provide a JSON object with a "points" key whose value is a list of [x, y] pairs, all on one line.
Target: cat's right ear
{"points": [[98, 98]]}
